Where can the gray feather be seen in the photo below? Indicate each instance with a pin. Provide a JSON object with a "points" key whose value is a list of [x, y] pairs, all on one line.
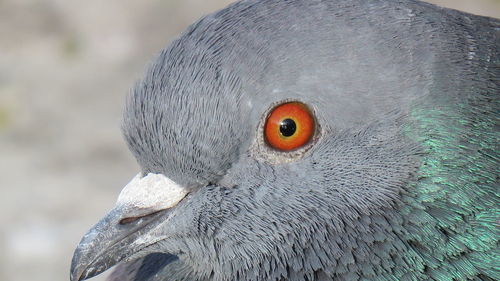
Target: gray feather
{"points": [[335, 211]]}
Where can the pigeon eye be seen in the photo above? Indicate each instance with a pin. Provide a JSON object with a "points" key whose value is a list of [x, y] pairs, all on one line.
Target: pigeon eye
{"points": [[289, 126]]}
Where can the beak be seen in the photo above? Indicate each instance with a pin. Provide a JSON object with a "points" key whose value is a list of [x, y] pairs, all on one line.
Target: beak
{"points": [[130, 228]]}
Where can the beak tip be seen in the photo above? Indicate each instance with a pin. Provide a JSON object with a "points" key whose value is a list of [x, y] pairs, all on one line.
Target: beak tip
{"points": [[74, 277], [81, 269], [81, 273], [88, 259], [75, 272]]}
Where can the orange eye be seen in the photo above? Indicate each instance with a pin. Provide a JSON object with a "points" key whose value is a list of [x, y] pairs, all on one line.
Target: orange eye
{"points": [[289, 126]]}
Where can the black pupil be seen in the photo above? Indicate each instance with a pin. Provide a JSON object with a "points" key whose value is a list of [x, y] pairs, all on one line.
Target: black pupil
{"points": [[288, 127]]}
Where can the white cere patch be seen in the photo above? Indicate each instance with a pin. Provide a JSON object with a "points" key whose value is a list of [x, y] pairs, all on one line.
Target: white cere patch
{"points": [[154, 192]]}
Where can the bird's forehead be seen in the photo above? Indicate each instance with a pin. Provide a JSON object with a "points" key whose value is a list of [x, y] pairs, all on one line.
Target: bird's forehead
{"points": [[184, 118]]}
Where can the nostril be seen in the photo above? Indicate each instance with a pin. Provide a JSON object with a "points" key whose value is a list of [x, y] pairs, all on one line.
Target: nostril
{"points": [[129, 220], [133, 219]]}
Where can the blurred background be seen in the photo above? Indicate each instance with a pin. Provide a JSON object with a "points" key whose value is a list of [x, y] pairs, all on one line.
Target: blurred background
{"points": [[65, 68]]}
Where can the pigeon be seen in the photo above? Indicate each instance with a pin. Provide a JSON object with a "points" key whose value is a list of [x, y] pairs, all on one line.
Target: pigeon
{"points": [[312, 140]]}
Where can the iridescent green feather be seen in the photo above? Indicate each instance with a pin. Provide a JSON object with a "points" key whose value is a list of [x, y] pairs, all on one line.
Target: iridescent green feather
{"points": [[452, 212]]}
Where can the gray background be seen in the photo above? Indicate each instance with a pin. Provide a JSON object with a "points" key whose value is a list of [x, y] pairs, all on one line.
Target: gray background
{"points": [[65, 68]]}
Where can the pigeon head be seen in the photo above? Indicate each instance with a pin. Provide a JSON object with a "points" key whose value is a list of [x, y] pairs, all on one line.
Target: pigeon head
{"points": [[273, 141]]}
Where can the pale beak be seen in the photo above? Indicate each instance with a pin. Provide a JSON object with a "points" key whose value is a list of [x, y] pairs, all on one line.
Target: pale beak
{"points": [[143, 204]]}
